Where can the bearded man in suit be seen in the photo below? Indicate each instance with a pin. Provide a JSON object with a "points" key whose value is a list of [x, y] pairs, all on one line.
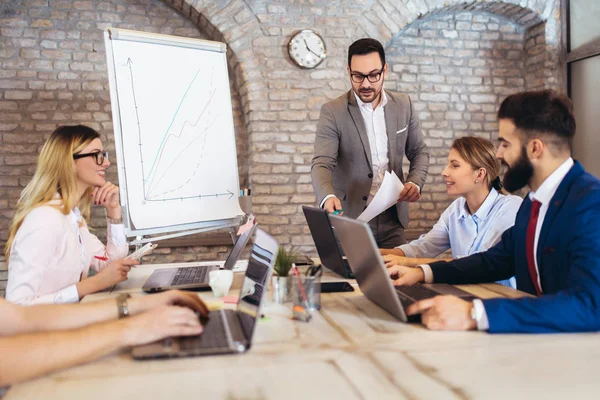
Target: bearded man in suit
{"points": [[362, 134], [553, 247]]}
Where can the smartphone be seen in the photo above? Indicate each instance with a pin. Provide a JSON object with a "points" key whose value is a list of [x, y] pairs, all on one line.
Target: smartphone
{"points": [[333, 287], [147, 249], [303, 260]]}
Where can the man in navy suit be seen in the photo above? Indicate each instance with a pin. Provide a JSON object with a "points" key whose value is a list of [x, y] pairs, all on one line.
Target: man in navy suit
{"points": [[554, 247]]}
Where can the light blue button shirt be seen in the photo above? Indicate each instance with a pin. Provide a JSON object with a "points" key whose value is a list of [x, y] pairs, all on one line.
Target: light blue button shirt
{"points": [[467, 234]]}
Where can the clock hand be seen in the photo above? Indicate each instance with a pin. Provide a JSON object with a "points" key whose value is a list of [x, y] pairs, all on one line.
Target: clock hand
{"points": [[308, 47]]}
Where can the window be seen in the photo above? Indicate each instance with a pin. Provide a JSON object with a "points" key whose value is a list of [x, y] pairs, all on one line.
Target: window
{"points": [[580, 20]]}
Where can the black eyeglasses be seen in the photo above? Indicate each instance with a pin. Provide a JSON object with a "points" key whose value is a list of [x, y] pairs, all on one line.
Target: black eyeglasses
{"points": [[99, 156], [373, 77]]}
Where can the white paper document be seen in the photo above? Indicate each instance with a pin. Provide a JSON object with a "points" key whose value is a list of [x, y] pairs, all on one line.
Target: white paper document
{"points": [[386, 196]]}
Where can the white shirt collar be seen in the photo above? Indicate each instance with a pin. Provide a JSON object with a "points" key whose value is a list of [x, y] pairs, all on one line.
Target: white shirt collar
{"points": [[369, 106], [547, 189], [485, 207]]}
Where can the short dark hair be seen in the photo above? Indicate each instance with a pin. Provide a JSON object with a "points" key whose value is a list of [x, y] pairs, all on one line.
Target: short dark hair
{"points": [[366, 46], [543, 112]]}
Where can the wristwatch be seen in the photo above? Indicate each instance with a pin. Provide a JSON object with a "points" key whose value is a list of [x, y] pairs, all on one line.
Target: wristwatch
{"points": [[122, 305]]}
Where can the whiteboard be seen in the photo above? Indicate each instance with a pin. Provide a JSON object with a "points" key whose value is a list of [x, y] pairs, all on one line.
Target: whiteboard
{"points": [[174, 133]]}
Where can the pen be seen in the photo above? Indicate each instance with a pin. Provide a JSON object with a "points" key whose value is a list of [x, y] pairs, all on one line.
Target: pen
{"points": [[317, 271], [336, 212], [300, 286], [101, 258]]}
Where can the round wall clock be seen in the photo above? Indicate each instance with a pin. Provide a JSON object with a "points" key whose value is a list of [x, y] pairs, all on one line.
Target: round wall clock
{"points": [[307, 49]]}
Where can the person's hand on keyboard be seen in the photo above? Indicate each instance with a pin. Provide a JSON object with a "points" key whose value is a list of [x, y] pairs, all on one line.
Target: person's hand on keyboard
{"points": [[444, 313], [159, 323], [391, 260], [403, 275], [168, 298]]}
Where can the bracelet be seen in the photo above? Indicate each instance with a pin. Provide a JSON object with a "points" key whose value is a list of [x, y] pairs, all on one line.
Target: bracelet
{"points": [[115, 221], [122, 305]]}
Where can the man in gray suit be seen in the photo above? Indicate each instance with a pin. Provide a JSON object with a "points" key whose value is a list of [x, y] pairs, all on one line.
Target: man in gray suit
{"points": [[362, 134]]}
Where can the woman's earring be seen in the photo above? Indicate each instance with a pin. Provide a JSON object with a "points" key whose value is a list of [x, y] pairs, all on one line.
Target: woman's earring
{"points": [[476, 181]]}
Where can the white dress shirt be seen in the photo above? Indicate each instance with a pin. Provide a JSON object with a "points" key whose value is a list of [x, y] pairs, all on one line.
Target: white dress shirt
{"points": [[52, 252], [467, 233], [544, 195], [374, 120]]}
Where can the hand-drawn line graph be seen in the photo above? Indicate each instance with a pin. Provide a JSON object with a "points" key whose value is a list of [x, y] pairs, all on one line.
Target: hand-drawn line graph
{"points": [[183, 146]]}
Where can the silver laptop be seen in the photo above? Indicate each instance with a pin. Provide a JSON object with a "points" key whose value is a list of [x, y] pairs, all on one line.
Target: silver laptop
{"points": [[371, 274], [194, 278], [226, 331]]}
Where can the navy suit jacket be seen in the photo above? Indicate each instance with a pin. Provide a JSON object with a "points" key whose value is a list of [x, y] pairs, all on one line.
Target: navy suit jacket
{"points": [[568, 256]]}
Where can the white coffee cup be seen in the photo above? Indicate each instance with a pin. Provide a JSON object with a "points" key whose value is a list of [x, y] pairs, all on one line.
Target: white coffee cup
{"points": [[220, 281]]}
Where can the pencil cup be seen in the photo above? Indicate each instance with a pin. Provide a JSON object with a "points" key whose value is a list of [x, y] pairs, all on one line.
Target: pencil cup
{"points": [[312, 289], [246, 204]]}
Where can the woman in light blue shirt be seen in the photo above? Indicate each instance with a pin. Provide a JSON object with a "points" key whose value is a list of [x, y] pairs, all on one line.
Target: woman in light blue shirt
{"points": [[476, 220]]}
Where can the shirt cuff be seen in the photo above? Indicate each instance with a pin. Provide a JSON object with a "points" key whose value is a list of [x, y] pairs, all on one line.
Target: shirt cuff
{"points": [[325, 199], [427, 272], [67, 295], [116, 233], [483, 324], [418, 187], [406, 250]]}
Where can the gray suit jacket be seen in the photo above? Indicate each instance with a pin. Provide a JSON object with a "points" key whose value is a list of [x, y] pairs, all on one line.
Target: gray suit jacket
{"points": [[342, 163]]}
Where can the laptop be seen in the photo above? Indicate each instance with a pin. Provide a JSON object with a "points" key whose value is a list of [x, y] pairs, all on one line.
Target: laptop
{"points": [[195, 278], [329, 250], [371, 274], [225, 331]]}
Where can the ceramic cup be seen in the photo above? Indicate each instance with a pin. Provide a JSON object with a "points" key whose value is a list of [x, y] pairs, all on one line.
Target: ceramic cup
{"points": [[220, 281]]}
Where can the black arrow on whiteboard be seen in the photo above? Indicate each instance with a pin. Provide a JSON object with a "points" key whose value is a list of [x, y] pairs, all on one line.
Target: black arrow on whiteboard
{"points": [[199, 196], [137, 117]]}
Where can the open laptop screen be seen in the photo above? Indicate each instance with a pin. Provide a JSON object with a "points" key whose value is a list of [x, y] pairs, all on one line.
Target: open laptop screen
{"points": [[239, 246], [260, 265]]}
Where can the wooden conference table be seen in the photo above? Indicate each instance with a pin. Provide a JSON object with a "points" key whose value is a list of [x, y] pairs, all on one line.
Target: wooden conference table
{"points": [[350, 350]]}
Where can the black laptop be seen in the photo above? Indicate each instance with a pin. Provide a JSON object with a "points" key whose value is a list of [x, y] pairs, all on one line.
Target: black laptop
{"points": [[225, 331], [195, 278], [328, 247]]}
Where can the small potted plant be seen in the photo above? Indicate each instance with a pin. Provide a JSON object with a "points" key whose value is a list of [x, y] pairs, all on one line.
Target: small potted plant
{"points": [[281, 282]]}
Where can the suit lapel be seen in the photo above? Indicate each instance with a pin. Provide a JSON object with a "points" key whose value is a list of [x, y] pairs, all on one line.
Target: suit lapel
{"points": [[555, 204], [360, 126], [391, 127]]}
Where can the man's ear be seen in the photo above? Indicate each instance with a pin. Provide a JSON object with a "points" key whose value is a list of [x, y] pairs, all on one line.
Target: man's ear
{"points": [[535, 148]]}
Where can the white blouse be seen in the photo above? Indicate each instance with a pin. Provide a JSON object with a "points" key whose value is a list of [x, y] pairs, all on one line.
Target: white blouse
{"points": [[51, 252]]}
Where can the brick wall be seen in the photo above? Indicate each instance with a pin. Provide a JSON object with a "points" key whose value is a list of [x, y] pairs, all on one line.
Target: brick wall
{"points": [[457, 60], [457, 67], [54, 72]]}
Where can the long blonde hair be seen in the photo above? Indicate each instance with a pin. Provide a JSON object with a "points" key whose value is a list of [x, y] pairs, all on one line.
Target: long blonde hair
{"points": [[55, 172]]}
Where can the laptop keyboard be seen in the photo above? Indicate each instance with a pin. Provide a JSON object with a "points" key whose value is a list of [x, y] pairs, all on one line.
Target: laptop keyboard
{"points": [[214, 335], [415, 293], [192, 275]]}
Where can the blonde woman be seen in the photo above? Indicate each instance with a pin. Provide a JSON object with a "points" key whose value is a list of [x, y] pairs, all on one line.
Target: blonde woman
{"points": [[476, 220], [50, 249]]}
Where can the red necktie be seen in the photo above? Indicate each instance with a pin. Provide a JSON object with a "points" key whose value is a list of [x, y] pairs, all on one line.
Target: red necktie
{"points": [[533, 219]]}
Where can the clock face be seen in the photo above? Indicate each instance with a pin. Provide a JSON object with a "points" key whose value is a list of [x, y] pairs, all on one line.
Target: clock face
{"points": [[307, 49]]}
